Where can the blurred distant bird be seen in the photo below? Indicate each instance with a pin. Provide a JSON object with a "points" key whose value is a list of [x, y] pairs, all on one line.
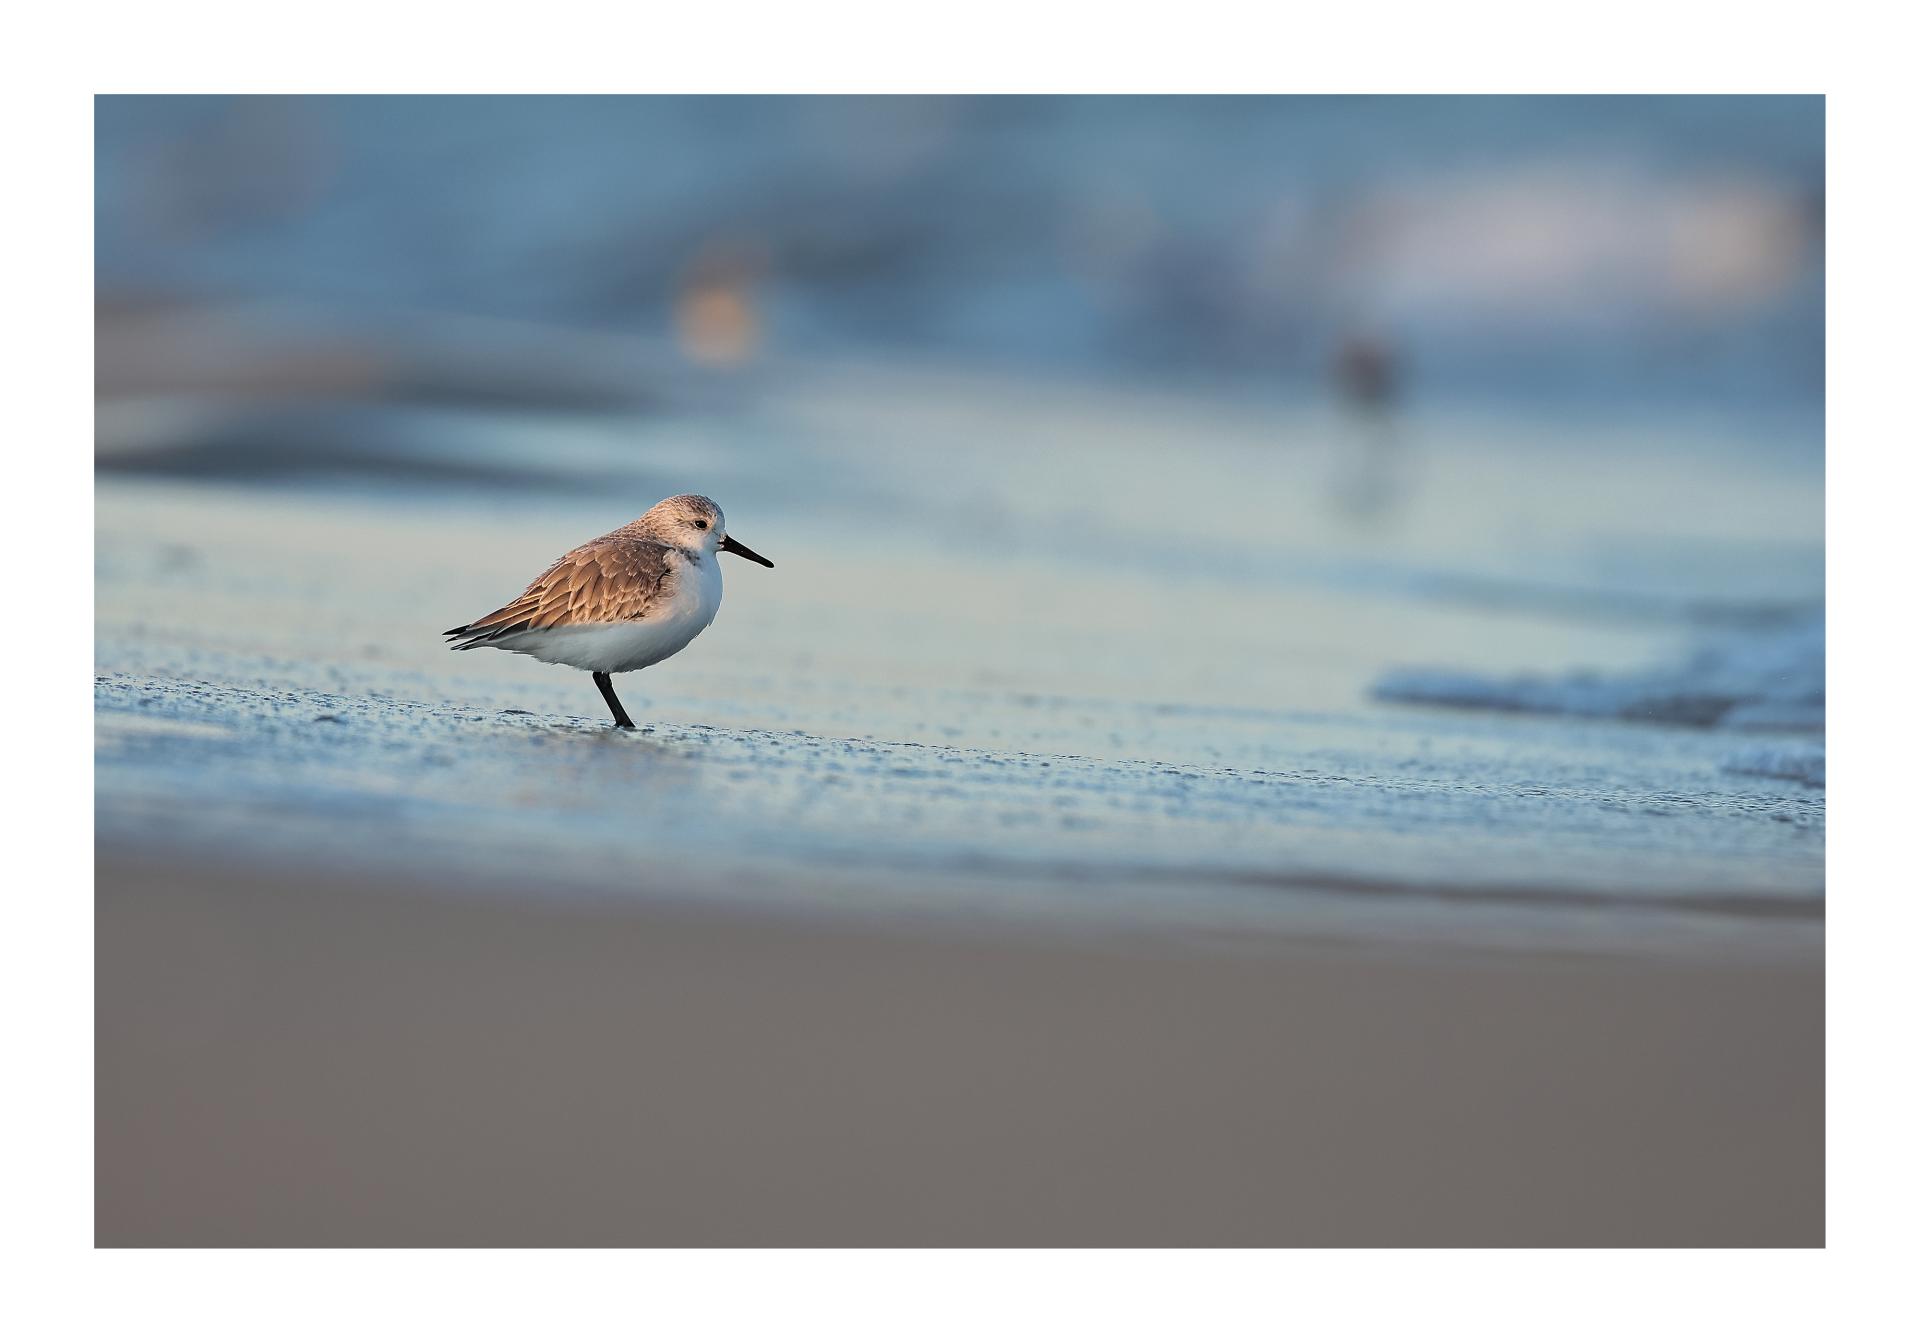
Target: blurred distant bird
{"points": [[634, 597], [1364, 370]]}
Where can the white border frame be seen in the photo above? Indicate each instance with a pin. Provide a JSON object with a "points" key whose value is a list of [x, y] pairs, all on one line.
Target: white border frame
{"points": [[1838, 49]]}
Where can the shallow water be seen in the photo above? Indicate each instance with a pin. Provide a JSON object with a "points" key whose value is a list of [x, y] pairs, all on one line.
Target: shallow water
{"points": [[1064, 654]]}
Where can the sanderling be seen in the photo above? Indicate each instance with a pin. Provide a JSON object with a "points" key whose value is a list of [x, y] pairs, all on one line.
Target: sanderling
{"points": [[627, 600]]}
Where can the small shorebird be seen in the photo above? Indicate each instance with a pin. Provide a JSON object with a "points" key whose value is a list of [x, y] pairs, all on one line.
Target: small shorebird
{"points": [[634, 597]]}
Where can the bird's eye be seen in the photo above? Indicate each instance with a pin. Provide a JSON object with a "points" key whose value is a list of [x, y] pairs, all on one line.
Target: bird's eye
{"points": [[701, 525]]}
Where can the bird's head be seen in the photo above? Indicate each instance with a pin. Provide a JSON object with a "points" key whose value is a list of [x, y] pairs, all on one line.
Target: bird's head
{"points": [[694, 522]]}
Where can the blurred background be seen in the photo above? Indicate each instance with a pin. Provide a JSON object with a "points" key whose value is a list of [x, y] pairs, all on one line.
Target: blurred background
{"points": [[1265, 434], [1266, 524], [1591, 255]]}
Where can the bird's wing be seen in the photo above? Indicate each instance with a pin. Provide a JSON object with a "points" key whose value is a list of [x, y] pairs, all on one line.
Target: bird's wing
{"points": [[612, 579]]}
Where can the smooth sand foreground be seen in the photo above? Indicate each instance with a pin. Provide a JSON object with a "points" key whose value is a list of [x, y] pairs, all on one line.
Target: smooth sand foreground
{"points": [[314, 1062]]}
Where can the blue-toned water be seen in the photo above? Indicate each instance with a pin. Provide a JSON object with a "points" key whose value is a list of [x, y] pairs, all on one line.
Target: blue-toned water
{"points": [[1013, 675]]}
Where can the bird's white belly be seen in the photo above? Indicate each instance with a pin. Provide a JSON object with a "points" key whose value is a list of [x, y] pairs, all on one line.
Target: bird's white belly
{"points": [[629, 645]]}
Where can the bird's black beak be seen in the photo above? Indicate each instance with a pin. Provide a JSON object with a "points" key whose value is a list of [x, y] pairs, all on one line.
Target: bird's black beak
{"points": [[732, 545]]}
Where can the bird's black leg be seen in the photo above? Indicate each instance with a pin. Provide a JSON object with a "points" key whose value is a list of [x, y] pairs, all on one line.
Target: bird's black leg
{"points": [[605, 682]]}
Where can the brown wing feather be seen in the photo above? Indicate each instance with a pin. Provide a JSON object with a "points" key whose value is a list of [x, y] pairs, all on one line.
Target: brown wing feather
{"points": [[612, 579]]}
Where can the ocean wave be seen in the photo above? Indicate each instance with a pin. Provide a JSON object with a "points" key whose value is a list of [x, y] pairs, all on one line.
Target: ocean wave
{"points": [[1802, 764], [1761, 681]]}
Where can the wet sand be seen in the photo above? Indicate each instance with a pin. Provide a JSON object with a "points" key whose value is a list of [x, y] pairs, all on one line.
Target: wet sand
{"points": [[307, 1060], [875, 728]]}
